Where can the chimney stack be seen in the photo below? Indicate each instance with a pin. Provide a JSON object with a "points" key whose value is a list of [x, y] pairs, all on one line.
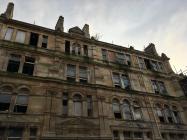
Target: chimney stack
{"points": [[9, 11], [60, 24], [85, 29]]}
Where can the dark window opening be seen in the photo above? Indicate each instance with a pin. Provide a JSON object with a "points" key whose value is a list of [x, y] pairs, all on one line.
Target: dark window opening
{"points": [[89, 105], [5, 102], [65, 103], [44, 41], [67, 47], [161, 119], [34, 39], [170, 120], [33, 133], [85, 48], [14, 63], [71, 79], [117, 115], [148, 64], [127, 134], [115, 134], [2, 133], [28, 66], [104, 55], [138, 135], [15, 133], [20, 109], [83, 81], [117, 86]]}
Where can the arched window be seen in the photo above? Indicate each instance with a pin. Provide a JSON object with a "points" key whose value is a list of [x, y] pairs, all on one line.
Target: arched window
{"points": [[116, 109], [5, 98], [176, 115], [21, 102], [159, 112], [168, 114], [137, 111], [127, 114], [77, 100]]}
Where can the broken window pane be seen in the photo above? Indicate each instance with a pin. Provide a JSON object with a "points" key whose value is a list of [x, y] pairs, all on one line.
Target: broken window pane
{"points": [[71, 72], [83, 74], [28, 66], [8, 34], [67, 47], [126, 82], [20, 36], [5, 102], [44, 41], [34, 39], [21, 104], [116, 80], [13, 63]]}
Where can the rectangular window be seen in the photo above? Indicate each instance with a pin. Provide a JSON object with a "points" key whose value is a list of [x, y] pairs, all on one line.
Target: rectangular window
{"points": [[104, 55], [21, 104], [141, 63], [15, 133], [162, 87], [148, 64], [2, 133], [33, 133], [44, 41], [154, 65], [34, 39], [116, 80], [127, 134], [8, 34], [67, 47], [83, 74], [28, 66], [65, 103], [89, 105], [160, 66], [126, 82], [5, 102], [13, 63], [155, 86], [138, 135], [20, 36], [120, 58], [115, 135], [71, 73], [128, 59], [85, 48]]}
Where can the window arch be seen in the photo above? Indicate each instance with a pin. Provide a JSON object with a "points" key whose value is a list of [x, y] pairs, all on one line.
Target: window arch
{"points": [[5, 98], [168, 114], [159, 112], [127, 114], [116, 108], [77, 101], [137, 111]]}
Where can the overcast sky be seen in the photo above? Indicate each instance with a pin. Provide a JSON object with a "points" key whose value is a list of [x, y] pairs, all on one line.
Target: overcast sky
{"points": [[123, 22]]}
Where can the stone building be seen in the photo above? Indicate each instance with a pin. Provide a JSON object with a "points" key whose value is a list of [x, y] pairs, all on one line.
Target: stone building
{"points": [[58, 85]]}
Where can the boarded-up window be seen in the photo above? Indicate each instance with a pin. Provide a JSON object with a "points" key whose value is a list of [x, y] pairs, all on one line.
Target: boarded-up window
{"points": [[13, 63], [71, 72], [8, 34], [20, 36], [83, 74], [77, 100]]}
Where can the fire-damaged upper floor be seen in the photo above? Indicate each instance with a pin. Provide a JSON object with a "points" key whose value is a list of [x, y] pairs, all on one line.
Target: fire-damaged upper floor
{"points": [[76, 57]]}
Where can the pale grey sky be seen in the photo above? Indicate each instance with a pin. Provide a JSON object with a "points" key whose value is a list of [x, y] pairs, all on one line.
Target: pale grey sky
{"points": [[123, 22]]}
